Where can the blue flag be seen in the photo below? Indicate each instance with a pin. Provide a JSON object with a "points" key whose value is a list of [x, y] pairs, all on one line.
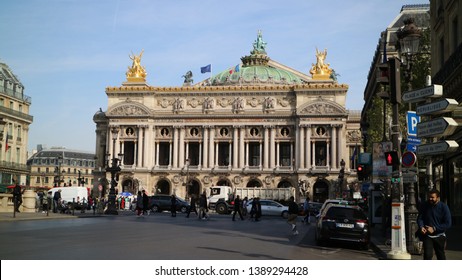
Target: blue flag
{"points": [[206, 69], [236, 69]]}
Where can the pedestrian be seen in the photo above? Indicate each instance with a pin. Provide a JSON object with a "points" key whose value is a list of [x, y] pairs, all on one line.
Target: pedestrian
{"points": [[139, 204], [253, 208], [173, 205], [145, 203], [17, 196], [306, 210], [293, 214], [203, 207], [257, 209], [237, 208], [44, 203], [244, 206], [433, 220], [56, 201], [192, 206]]}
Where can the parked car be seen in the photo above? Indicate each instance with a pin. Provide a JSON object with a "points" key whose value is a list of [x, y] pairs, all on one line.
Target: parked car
{"points": [[332, 201], [162, 202], [343, 223], [270, 208]]}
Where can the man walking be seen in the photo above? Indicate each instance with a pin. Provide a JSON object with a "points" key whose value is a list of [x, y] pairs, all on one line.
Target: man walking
{"points": [[56, 201], [433, 220], [237, 208], [293, 214], [17, 196], [192, 207]]}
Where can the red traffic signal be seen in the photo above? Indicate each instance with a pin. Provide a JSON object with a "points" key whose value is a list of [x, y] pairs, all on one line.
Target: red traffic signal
{"points": [[392, 158], [360, 168]]}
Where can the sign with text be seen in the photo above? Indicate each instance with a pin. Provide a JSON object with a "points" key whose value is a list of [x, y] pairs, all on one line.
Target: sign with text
{"points": [[437, 127], [437, 148], [439, 107], [432, 91]]}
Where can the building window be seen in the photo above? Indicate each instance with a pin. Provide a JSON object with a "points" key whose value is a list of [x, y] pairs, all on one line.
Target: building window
{"points": [[129, 153], [164, 153], [164, 132], [284, 154], [223, 154], [320, 153], [193, 153], [254, 132], [254, 153]]}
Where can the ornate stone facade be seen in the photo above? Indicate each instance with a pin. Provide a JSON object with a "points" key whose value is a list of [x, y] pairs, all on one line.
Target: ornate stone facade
{"points": [[291, 132]]}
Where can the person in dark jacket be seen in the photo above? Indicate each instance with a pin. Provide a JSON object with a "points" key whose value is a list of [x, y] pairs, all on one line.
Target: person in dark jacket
{"points": [[145, 203], [173, 205], [17, 196], [237, 208], [257, 209], [293, 214], [203, 208], [192, 207], [433, 220]]}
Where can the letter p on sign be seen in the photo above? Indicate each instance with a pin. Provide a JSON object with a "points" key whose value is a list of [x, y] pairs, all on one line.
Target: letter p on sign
{"points": [[412, 120]]}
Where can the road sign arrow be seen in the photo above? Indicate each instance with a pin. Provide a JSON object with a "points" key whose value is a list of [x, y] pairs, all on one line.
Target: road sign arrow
{"points": [[432, 91], [442, 106], [437, 127], [441, 147]]}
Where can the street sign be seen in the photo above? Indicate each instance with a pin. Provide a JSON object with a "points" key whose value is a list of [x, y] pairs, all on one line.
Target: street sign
{"points": [[408, 159], [442, 106], [436, 148], [432, 91], [437, 127], [412, 143], [412, 120], [409, 178]]}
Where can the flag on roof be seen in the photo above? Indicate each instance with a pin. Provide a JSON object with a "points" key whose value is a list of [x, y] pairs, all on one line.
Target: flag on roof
{"points": [[206, 69], [234, 69]]}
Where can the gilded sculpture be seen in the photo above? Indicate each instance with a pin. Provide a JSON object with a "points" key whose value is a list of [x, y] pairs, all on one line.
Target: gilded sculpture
{"points": [[136, 73], [321, 70]]}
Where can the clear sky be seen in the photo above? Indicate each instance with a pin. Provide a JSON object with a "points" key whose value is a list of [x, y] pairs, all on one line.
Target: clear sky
{"points": [[66, 52]]}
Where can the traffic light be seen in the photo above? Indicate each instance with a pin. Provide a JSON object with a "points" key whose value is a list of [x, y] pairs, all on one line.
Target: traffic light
{"points": [[395, 80], [392, 159], [360, 170], [382, 74]]}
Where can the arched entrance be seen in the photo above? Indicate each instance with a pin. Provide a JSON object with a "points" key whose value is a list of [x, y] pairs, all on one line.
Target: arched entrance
{"points": [[285, 184], [162, 187], [254, 183], [128, 185], [223, 182], [320, 191]]}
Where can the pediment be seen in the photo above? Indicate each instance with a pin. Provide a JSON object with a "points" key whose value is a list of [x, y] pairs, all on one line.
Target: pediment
{"points": [[322, 108], [129, 108]]}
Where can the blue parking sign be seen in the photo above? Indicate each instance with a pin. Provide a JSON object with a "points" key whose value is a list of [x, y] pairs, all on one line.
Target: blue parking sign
{"points": [[412, 120]]}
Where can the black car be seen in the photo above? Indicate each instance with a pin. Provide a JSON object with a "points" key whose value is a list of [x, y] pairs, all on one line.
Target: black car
{"points": [[343, 223], [162, 202]]}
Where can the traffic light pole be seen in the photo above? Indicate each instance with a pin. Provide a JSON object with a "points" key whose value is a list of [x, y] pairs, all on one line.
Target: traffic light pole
{"points": [[398, 232]]}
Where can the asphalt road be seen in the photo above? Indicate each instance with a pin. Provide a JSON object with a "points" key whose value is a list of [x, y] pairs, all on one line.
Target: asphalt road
{"points": [[161, 237]]}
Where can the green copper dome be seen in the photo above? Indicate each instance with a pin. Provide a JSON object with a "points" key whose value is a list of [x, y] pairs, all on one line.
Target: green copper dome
{"points": [[255, 70]]}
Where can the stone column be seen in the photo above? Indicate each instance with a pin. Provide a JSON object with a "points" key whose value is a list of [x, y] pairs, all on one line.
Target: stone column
{"points": [[206, 146], [308, 146], [301, 145]]}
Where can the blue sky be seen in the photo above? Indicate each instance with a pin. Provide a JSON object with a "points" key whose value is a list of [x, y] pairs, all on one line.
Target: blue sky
{"points": [[66, 52]]}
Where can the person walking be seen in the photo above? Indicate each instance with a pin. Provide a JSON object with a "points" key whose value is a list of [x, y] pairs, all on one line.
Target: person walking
{"points": [[56, 201], [433, 220], [173, 205], [145, 203], [306, 210], [203, 207], [293, 214], [257, 209], [245, 202], [139, 204], [17, 196], [192, 207], [237, 208]]}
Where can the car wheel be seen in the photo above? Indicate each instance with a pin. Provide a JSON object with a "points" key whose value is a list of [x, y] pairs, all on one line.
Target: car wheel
{"points": [[285, 214], [155, 208], [183, 209]]}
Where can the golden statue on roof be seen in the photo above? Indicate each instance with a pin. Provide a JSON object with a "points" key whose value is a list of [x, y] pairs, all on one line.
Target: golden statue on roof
{"points": [[321, 70], [136, 73]]}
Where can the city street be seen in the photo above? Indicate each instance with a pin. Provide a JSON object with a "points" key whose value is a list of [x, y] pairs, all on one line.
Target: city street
{"points": [[161, 237]]}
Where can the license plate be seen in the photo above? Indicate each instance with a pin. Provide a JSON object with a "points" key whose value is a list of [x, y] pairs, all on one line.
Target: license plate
{"points": [[345, 225]]}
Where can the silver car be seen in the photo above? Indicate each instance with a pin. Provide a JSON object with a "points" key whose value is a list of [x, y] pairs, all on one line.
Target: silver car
{"points": [[270, 208]]}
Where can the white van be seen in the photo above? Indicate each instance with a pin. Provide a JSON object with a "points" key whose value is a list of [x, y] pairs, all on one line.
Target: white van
{"points": [[69, 193]]}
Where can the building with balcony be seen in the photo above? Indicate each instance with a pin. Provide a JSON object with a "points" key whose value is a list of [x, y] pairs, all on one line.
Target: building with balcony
{"points": [[61, 167], [257, 124], [446, 61], [14, 128]]}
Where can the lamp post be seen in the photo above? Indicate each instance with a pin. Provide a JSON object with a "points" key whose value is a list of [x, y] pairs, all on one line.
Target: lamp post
{"points": [[188, 183], [59, 160], [409, 39], [114, 169]]}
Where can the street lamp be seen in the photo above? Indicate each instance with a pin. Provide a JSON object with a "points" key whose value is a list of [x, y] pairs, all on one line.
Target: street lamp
{"points": [[114, 169], [409, 39], [188, 183], [59, 160]]}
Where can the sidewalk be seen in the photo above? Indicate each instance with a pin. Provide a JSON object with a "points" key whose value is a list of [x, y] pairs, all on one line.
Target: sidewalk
{"points": [[378, 240], [453, 249]]}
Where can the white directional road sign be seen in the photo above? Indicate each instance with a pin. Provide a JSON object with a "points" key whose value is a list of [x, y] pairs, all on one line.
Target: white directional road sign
{"points": [[438, 148], [437, 127], [432, 91], [442, 106]]}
